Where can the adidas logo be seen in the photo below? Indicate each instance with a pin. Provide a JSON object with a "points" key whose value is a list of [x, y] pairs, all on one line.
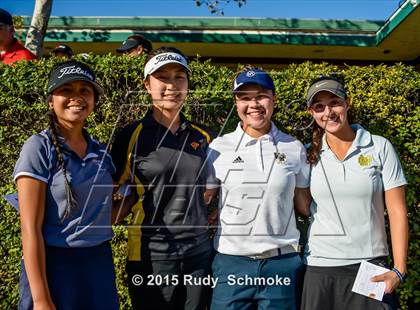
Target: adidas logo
{"points": [[238, 160]]}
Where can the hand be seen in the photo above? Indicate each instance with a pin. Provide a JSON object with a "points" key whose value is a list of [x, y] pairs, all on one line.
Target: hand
{"points": [[209, 194], [44, 305], [391, 281], [213, 217]]}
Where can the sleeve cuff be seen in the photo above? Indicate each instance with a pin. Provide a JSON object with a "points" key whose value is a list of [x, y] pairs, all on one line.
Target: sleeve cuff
{"points": [[32, 175], [395, 184]]}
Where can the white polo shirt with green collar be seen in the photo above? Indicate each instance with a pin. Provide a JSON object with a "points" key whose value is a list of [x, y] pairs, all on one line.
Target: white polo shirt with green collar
{"points": [[347, 221], [257, 178]]}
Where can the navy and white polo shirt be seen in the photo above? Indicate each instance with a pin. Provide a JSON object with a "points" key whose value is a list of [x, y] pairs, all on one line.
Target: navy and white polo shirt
{"points": [[258, 177], [91, 182]]}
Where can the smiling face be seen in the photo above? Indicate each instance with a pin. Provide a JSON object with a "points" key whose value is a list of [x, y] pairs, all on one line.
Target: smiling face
{"points": [[255, 105], [7, 33], [73, 103], [168, 87], [329, 111]]}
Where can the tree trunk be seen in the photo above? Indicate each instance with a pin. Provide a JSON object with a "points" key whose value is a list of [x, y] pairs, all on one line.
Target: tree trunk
{"points": [[38, 28]]}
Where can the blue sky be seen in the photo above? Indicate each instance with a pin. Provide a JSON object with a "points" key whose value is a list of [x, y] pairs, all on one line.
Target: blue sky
{"points": [[334, 9]]}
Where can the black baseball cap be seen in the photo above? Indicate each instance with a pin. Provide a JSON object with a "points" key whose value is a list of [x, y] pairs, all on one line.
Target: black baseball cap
{"points": [[325, 84], [5, 18], [63, 48], [131, 43], [70, 71]]}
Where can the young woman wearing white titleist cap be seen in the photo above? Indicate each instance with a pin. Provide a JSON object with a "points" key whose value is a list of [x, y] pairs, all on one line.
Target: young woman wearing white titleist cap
{"points": [[162, 157], [264, 177], [354, 175], [64, 185]]}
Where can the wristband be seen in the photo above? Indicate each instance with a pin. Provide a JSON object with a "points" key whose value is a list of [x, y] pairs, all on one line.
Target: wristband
{"points": [[398, 273]]}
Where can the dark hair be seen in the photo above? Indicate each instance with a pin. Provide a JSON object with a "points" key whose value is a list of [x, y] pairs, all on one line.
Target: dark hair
{"points": [[70, 197], [146, 44], [318, 132]]}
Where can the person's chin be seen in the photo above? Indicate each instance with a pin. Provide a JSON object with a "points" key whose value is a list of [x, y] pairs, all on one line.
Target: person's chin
{"points": [[333, 127], [75, 115], [258, 124], [74, 120], [171, 104]]}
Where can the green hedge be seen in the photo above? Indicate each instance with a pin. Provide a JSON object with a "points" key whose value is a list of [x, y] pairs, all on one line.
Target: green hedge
{"points": [[385, 101]]}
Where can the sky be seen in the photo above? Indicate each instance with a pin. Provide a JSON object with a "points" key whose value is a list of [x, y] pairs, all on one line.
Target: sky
{"points": [[323, 9]]}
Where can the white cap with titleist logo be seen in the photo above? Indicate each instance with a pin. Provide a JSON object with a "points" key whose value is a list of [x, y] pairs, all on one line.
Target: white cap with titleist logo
{"points": [[163, 59]]}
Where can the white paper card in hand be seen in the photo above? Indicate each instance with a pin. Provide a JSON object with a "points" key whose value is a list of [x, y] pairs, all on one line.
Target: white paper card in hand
{"points": [[364, 286]]}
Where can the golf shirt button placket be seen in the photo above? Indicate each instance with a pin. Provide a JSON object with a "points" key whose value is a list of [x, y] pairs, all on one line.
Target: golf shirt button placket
{"points": [[344, 171], [83, 164], [258, 148]]}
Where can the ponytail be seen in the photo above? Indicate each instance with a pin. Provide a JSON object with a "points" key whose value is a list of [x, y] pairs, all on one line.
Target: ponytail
{"points": [[315, 148], [71, 201]]}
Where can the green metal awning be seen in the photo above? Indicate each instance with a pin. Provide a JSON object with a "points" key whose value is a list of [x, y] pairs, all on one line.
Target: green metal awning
{"points": [[263, 40]]}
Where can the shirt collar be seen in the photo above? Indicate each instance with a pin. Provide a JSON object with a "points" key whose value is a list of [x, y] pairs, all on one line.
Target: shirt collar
{"points": [[363, 137], [92, 145], [150, 121], [247, 140], [15, 46]]}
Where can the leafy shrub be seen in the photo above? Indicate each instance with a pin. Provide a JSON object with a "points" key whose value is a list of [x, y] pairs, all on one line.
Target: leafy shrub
{"points": [[385, 100]]}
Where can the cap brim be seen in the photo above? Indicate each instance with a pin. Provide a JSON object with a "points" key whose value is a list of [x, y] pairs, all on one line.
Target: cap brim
{"points": [[262, 84], [59, 50], [122, 49], [126, 47], [98, 88], [336, 92]]}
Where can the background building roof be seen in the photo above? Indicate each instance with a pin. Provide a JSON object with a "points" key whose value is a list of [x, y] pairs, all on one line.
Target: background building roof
{"points": [[265, 41]]}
